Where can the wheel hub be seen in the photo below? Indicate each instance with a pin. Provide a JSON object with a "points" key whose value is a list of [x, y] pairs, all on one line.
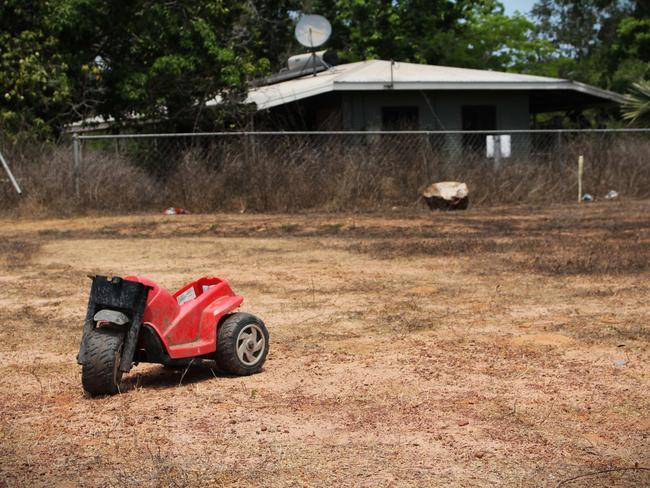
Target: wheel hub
{"points": [[250, 344]]}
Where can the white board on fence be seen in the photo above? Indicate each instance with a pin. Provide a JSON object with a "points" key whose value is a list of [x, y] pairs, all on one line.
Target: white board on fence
{"points": [[504, 145]]}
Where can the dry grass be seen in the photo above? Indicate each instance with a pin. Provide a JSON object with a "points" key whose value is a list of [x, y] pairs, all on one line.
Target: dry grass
{"points": [[404, 352], [291, 173], [553, 256], [107, 184], [564, 245], [16, 252]]}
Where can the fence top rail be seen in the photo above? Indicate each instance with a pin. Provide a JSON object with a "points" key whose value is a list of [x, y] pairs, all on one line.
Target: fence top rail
{"points": [[355, 133]]}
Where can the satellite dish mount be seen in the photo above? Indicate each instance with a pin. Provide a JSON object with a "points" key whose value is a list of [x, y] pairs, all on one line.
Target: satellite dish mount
{"points": [[313, 31]]}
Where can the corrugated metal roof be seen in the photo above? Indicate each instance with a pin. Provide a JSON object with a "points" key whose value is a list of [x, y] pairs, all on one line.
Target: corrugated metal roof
{"points": [[379, 71], [376, 75]]}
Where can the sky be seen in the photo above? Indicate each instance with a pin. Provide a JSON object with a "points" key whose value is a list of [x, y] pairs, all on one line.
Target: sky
{"points": [[523, 6]]}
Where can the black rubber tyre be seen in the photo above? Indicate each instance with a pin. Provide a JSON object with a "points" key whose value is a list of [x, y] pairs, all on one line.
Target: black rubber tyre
{"points": [[100, 374], [242, 344]]}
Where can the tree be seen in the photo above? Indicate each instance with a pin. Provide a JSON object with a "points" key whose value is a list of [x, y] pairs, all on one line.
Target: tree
{"points": [[361, 29], [66, 60], [582, 32], [34, 88], [466, 33], [428, 30], [159, 60], [629, 56], [493, 40], [577, 27], [269, 26]]}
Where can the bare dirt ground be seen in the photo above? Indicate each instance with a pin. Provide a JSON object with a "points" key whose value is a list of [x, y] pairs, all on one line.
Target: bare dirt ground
{"points": [[503, 347]]}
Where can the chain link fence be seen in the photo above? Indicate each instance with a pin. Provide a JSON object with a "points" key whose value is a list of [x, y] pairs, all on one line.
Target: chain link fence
{"points": [[289, 171]]}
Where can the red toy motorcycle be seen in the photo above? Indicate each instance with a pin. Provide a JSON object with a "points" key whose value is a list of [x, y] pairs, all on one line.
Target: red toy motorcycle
{"points": [[133, 320]]}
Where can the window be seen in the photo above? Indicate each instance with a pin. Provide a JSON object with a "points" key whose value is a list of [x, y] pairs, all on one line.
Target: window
{"points": [[399, 118]]}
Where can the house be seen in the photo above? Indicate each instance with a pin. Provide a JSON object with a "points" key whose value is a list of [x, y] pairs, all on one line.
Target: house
{"points": [[384, 95], [381, 95]]}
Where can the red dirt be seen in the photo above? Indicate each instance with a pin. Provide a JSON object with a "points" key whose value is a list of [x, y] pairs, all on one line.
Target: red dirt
{"points": [[415, 349]]}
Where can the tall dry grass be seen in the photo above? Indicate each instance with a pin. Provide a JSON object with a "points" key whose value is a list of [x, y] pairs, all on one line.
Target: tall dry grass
{"points": [[295, 173], [49, 188]]}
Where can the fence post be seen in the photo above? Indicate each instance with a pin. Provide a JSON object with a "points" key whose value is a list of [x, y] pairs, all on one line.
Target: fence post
{"points": [[76, 153], [581, 166], [497, 151]]}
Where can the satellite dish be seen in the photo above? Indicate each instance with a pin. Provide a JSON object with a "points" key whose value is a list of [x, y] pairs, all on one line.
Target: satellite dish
{"points": [[313, 30]]}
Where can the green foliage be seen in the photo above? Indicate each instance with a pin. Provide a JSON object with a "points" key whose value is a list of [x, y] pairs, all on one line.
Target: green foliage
{"points": [[158, 60], [361, 29], [66, 60], [269, 29], [34, 88], [492, 40], [636, 109], [601, 42], [630, 54], [467, 33], [577, 26]]}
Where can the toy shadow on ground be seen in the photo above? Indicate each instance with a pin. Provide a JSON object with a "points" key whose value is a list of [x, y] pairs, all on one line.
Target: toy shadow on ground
{"points": [[162, 377]]}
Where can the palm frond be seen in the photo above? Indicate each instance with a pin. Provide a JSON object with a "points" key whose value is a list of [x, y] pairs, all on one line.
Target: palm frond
{"points": [[636, 108]]}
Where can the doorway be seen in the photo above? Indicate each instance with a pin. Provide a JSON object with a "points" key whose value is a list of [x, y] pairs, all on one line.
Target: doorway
{"points": [[481, 119]]}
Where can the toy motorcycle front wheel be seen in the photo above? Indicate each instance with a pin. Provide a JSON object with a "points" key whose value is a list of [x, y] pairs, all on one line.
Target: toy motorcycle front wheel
{"points": [[242, 344], [100, 373]]}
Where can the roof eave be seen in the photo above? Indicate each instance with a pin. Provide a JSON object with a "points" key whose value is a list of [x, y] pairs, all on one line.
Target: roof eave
{"points": [[473, 85], [264, 102], [597, 92]]}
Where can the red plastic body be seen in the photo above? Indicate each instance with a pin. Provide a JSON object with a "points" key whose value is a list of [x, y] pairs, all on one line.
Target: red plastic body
{"points": [[189, 329]]}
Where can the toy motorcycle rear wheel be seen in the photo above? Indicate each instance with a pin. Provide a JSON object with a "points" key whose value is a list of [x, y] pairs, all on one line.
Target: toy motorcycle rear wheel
{"points": [[100, 373], [242, 344]]}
